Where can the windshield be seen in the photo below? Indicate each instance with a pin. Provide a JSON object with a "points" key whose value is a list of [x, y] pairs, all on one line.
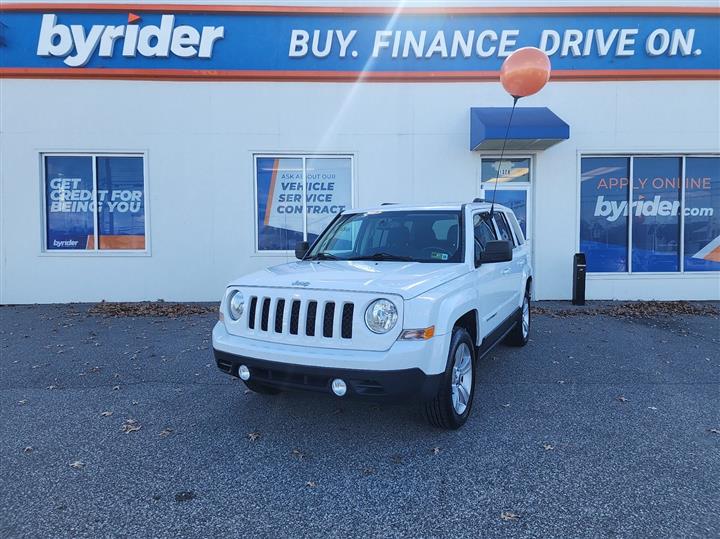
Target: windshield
{"points": [[417, 236]]}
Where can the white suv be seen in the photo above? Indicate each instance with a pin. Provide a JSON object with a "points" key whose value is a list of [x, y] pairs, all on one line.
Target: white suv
{"points": [[395, 302]]}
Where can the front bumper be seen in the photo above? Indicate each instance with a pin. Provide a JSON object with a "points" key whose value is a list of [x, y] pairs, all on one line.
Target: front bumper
{"points": [[406, 384], [429, 356]]}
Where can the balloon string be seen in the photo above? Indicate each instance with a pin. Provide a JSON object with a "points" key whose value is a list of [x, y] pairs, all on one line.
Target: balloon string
{"points": [[502, 153]]}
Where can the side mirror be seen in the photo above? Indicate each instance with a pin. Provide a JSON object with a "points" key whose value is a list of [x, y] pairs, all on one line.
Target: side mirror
{"points": [[301, 249], [496, 251]]}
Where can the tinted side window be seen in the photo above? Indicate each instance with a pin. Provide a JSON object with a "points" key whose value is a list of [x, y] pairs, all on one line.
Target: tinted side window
{"points": [[503, 227], [484, 231]]}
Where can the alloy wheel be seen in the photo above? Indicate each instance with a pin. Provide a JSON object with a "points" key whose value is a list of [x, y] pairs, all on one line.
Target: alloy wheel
{"points": [[462, 378]]}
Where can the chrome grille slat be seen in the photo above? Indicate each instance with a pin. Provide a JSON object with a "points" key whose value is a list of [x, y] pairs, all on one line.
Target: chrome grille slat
{"points": [[337, 320]]}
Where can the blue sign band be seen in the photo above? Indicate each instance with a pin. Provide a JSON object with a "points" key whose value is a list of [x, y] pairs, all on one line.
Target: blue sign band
{"points": [[331, 44]]}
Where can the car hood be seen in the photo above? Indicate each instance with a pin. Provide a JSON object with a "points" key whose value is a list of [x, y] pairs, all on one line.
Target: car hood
{"points": [[408, 279]]}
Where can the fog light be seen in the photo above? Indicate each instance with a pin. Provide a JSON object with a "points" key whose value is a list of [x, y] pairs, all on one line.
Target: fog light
{"points": [[339, 387], [244, 373]]}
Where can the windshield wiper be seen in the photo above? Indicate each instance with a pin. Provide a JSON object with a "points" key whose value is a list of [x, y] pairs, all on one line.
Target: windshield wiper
{"points": [[322, 256], [383, 256]]}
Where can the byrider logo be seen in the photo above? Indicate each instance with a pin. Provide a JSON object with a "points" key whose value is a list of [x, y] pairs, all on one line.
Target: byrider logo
{"points": [[77, 46], [612, 210]]}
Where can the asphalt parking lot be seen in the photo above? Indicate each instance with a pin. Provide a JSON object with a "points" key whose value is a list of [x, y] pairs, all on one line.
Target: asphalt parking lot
{"points": [[116, 426]]}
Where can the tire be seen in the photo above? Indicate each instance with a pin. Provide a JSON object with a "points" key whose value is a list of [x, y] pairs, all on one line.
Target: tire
{"points": [[262, 389], [445, 410], [520, 334]]}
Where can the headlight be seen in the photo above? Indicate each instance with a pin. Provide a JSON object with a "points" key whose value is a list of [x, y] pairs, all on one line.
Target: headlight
{"points": [[381, 316], [236, 304]]}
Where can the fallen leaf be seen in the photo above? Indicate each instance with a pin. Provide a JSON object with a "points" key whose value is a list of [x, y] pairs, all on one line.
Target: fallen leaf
{"points": [[548, 447], [185, 496], [435, 450], [297, 453], [78, 465], [253, 436], [135, 403], [115, 388], [130, 425], [28, 449], [621, 398], [165, 432], [106, 413], [369, 470], [23, 401], [651, 408], [311, 484], [714, 431], [505, 405], [509, 515], [52, 386]]}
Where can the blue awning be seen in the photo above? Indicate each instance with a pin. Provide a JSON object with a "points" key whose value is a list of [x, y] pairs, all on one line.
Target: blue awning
{"points": [[532, 128]]}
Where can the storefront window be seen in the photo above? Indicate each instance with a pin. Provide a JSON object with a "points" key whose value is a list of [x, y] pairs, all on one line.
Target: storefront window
{"points": [[121, 210], [658, 213], [283, 219], [702, 214], [513, 183], [603, 213], [93, 196]]}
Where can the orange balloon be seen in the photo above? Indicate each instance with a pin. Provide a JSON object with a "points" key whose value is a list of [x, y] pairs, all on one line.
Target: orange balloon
{"points": [[525, 72]]}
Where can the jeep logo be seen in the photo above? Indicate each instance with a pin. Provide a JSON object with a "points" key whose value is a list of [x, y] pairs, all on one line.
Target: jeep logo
{"points": [[301, 283]]}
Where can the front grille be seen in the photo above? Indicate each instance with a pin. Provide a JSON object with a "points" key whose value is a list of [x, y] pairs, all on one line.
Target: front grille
{"points": [[347, 320], [251, 313], [294, 317], [265, 314], [308, 318], [328, 319], [311, 319], [279, 311]]}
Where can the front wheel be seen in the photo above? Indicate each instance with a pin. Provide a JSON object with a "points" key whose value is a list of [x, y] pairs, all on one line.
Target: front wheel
{"points": [[520, 334], [451, 406]]}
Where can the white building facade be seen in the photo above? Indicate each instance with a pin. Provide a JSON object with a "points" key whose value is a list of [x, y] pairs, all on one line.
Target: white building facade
{"points": [[157, 152]]}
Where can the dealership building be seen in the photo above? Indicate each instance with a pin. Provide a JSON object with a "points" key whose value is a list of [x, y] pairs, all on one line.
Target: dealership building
{"points": [[159, 151]]}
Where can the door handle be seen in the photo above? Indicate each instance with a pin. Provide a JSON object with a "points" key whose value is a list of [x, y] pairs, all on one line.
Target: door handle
{"points": [[506, 271]]}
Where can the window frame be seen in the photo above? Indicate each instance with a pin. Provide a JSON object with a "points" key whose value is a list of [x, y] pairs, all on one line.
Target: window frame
{"points": [[304, 156], [44, 251], [494, 230], [630, 156]]}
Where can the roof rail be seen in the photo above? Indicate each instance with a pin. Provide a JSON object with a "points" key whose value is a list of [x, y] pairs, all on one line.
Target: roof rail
{"points": [[388, 203]]}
